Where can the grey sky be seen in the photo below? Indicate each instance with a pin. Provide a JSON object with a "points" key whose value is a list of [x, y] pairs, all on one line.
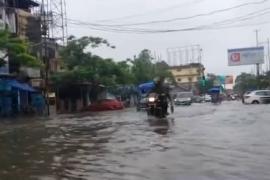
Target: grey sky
{"points": [[214, 42]]}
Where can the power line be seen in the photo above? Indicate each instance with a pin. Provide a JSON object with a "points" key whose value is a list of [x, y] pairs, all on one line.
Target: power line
{"points": [[215, 25], [193, 16], [157, 11]]}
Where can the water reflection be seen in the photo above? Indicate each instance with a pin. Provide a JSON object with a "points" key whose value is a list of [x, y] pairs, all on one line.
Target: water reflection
{"points": [[201, 143], [160, 126]]}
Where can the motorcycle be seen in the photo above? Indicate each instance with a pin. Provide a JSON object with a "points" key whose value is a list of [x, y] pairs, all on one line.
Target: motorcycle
{"points": [[157, 105]]}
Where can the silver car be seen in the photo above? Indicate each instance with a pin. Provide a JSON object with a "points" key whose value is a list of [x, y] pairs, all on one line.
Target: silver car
{"points": [[257, 97]]}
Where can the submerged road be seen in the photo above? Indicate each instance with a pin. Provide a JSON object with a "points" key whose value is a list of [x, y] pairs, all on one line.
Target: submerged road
{"points": [[230, 141]]}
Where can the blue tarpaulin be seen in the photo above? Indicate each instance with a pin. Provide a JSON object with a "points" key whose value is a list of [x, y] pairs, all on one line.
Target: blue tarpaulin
{"points": [[20, 86], [146, 87], [214, 90]]}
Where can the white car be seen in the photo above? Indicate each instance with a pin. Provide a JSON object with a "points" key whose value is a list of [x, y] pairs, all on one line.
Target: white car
{"points": [[257, 97]]}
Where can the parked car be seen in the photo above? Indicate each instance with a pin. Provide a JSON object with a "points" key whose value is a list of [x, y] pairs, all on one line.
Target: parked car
{"points": [[197, 99], [257, 97], [207, 98], [183, 98], [105, 105], [142, 103]]}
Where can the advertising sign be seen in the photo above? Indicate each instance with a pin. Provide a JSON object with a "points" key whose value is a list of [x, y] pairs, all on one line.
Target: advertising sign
{"points": [[246, 56], [229, 80]]}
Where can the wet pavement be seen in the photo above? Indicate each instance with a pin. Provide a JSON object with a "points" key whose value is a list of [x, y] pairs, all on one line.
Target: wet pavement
{"points": [[201, 142]]}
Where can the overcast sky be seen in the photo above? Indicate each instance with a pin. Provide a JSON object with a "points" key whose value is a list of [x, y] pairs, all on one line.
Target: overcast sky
{"points": [[214, 42]]}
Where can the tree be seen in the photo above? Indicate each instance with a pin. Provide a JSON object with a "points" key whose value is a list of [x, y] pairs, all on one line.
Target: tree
{"points": [[245, 82], [17, 51], [144, 69], [75, 54], [81, 65]]}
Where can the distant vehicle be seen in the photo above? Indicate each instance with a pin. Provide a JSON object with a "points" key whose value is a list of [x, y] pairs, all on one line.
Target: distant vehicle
{"points": [[142, 104], [197, 99], [183, 98], [207, 98], [108, 103], [232, 97], [257, 97], [105, 105]]}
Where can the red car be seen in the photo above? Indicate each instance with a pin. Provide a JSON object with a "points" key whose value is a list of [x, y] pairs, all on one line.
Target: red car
{"points": [[106, 105]]}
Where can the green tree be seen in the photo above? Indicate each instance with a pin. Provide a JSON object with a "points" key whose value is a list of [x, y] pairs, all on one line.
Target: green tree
{"points": [[75, 53], [142, 67], [245, 82], [82, 65], [17, 51]]}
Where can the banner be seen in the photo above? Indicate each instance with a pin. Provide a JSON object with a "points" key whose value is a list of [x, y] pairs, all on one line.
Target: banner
{"points": [[246, 56]]}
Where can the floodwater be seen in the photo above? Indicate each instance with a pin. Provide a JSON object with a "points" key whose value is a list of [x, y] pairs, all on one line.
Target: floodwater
{"points": [[201, 142]]}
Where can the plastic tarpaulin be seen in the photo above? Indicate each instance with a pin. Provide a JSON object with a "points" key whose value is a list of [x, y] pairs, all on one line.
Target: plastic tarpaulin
{"points": [[146, 87], [214, 90], [21, 86]]}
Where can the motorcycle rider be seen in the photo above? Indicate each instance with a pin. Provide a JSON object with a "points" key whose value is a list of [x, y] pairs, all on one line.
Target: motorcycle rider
{"points": [[163, 91]]}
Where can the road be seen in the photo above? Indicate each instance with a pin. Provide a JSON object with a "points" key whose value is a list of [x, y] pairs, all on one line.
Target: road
{"points": [[230, 141]]}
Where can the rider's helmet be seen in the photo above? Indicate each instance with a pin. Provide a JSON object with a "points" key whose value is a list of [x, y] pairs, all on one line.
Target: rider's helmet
{"points": [[159, 80]]}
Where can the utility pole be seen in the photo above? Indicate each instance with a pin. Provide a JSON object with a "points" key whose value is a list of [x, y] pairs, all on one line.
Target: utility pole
{"points": [[268, 53], [44, 52], [257, 44], [5, 14]]}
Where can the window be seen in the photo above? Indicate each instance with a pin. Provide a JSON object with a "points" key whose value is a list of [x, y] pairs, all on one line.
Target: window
{"points": [[179, 79], [179, 70], [262, 93], [190, 79]]}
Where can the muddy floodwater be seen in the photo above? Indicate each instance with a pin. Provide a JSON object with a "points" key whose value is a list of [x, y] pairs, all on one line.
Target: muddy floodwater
{"points": [[230, 141]]}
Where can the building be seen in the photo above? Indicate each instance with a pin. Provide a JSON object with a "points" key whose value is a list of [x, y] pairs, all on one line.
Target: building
{"points": [[16, 17], [187, 76]]}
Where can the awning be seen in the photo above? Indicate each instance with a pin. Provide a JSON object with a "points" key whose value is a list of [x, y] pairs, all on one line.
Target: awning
{"points": [[214, 90], [146, 87], [21, 86]]}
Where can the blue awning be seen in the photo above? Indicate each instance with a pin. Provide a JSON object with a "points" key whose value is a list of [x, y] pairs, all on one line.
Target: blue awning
{"points": [[21, 86], [214, 90], [146, 87]]}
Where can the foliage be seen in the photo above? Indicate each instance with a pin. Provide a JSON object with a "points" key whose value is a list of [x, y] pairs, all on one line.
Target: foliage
{"points": [[245, 82], [204, 87], [144, 69], [17, 50], [81, 65]]}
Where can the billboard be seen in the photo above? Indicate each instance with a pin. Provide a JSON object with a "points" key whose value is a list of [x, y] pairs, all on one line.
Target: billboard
{"points": [[246, 56]]}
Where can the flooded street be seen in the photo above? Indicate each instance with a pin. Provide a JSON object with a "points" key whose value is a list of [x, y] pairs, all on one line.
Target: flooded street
{"points": [[201, 142]]}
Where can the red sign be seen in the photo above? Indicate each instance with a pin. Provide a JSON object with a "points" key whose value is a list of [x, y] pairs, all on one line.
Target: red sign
{"points": [[229, 80], [235, 57]]}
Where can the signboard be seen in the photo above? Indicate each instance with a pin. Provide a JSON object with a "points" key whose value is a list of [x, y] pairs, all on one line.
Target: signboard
{"points": [[229, 80], [246, 56]]}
